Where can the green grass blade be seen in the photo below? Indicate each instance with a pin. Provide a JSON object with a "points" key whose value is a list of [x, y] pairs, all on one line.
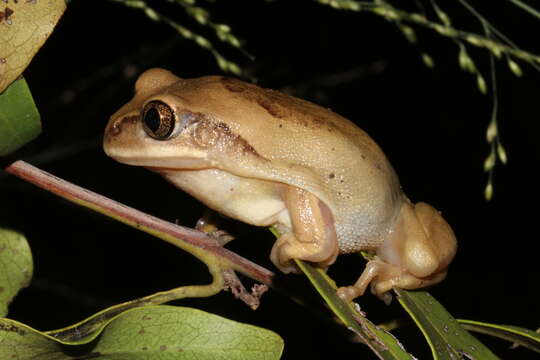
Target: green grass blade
{"points": [[515, 334], [447, 339], [383, 344]]}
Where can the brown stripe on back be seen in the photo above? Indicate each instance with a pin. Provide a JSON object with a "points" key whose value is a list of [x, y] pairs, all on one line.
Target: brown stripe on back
{"points": [[209, 133], [280, 105]]}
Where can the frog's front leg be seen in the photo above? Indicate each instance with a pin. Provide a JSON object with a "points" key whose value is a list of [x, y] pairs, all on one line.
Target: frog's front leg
{"points": [[209, 224], [312, 237]]}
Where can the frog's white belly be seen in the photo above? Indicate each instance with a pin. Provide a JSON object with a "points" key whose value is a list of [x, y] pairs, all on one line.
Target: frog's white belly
{"points": [[256, 202], [260, 203]]}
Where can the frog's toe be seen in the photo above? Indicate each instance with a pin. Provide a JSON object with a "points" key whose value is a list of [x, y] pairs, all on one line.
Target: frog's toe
{"points": [[348, 293], [208, 224]]}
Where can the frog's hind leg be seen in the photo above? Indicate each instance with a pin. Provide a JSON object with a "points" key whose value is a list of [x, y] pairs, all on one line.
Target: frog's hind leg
{"points": [[313, 237], [383, 277], [416, 254]]}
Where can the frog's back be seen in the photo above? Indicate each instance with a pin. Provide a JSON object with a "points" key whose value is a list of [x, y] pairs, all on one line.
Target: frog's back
{"points": [[296, 142]]}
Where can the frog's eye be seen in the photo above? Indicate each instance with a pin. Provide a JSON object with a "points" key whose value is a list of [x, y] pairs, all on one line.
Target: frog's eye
{"points": [[158, 120]]}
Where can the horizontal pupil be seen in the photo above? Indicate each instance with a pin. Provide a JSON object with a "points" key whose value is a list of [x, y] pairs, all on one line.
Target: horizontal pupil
{"points": [[152, 119], [158, 120]]}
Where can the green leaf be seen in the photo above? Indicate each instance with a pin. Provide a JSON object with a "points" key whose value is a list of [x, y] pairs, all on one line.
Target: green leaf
{"points": [[447, 339], [384, 344], [190, 333], [18, 341], [515, 334], [154, 332], [15, 266], [19, 117]]}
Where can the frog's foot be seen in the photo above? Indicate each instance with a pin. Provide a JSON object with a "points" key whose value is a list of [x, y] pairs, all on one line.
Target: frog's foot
{"points": [[208, 224], [313, 237], [383, 277]]}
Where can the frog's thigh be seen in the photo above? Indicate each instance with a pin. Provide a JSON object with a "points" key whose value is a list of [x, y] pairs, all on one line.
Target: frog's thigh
{"points": [[313, 237]]}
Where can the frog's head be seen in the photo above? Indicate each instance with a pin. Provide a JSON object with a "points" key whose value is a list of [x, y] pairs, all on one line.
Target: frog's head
{"points": [[155, 128]]}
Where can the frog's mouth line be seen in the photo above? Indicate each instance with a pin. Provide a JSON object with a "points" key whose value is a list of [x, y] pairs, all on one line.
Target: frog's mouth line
{"points": [[160, 162], [195, 164]]}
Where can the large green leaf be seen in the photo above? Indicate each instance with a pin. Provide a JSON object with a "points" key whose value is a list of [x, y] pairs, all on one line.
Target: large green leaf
{"points": [[15, 266], [19, 117], [153, 332]]}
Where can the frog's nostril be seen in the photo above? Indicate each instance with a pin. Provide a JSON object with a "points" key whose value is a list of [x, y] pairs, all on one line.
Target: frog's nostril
{"points": [[115, 127]]}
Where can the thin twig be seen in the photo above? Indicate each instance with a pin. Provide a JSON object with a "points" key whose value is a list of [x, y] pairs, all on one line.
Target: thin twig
{"points": [[183, 237], [526, 7]]}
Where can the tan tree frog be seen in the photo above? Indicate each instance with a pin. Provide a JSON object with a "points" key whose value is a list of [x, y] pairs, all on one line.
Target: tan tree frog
{"points": [[269, 159]]}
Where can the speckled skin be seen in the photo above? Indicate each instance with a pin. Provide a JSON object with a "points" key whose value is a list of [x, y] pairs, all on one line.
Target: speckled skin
{"points": [[240, 149]]}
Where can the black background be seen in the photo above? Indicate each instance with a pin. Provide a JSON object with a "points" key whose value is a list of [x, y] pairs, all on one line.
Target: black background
{"points": [[430, 123]]}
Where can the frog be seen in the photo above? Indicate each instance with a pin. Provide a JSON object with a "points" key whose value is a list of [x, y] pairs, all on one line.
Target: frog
{"points": [[269, 159]]}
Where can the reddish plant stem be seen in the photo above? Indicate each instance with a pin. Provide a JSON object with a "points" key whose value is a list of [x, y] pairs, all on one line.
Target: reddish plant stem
{"points": [[136, 218]]}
